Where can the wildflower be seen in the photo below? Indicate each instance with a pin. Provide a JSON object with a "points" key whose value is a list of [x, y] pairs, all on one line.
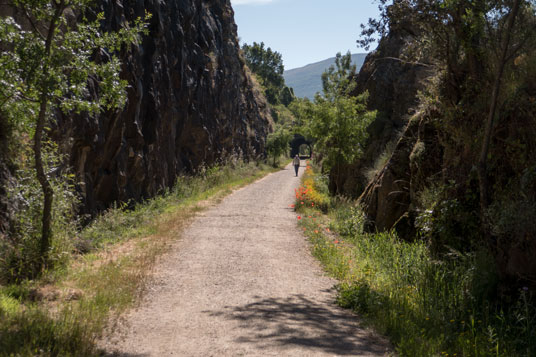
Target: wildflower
{"points": [[292, 205], [299, 217], [302, 203], [336, 242], [327, 229], [304, 229], [312, 204], [316, 230]]}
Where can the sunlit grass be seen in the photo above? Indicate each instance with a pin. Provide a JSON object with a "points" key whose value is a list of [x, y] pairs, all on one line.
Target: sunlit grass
{"points": [[66, 311], [426, 306]]}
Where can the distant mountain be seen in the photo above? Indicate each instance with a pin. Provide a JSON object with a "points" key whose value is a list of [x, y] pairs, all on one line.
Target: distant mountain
{"points": [[306, 80]]}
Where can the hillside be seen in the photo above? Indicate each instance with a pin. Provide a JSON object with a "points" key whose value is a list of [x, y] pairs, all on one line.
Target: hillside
{"points": [[306, 80]]}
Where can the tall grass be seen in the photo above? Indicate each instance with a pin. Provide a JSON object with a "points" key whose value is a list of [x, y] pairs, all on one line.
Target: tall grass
{"points": [[66, 311], [427, 306]]}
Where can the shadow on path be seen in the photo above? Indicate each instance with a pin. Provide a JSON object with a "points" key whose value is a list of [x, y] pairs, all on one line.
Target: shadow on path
{"points": [[298, 321]]}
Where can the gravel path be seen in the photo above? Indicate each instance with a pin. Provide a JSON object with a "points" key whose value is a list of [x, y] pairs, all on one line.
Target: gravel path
{"points": [[241, 282]]}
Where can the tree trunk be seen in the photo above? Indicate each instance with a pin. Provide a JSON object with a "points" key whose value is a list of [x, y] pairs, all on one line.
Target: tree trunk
{"points": [[48, 192], [482, 163]]}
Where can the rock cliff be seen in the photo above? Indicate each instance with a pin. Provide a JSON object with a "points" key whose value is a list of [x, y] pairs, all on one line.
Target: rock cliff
{"points": [[190, 102], [393, 85]]}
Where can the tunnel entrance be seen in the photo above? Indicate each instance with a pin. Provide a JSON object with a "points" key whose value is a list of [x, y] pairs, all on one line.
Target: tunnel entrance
{"points": [[300, 146]]}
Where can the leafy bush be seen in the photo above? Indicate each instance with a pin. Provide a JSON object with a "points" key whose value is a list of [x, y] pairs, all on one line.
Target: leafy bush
{"points": [[349, 219], [308, 194], [427, 306], [448, 220], [20, 255]]}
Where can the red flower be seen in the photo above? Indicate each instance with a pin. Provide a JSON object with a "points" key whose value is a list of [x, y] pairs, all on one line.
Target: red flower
{"points": [[299, 217]]}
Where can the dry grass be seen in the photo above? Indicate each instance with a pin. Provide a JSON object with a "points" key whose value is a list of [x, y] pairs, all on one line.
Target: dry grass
{"points": [[66, 312]]}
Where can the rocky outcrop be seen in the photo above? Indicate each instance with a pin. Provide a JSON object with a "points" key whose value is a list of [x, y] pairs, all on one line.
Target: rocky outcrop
{"points": [[190, 103], [392, 84], [389, 199]]}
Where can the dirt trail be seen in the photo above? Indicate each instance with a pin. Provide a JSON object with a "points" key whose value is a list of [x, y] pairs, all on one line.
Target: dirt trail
{"points": [[241, 282]]}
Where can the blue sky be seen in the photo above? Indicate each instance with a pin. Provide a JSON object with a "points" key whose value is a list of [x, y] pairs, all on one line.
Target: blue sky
{"points": [[303, 31]]}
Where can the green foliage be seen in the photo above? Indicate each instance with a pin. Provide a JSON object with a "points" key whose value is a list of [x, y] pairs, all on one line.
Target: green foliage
{"points": [[286, 96], [427, 307], [268, 66], [349, 219], [338, 128], [448, 220], [282, 116], [277, 143], [313, 191], [303, 111], [107, 286], [77, 55], [53, 66], [19, 255], [339, 122], [120, 222], [264, 62]]}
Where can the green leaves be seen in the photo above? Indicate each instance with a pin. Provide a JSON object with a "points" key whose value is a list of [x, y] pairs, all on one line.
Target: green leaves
{"points": [[268, 66], [339, 121], [79, 53], [277, 142]]}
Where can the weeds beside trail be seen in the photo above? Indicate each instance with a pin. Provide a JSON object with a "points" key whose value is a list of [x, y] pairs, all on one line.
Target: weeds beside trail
{"points": [[427, 306], [65, 311]]}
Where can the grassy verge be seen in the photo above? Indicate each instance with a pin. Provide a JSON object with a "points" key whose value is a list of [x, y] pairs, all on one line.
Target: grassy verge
{"points": [[65, 312], [427, 306]]}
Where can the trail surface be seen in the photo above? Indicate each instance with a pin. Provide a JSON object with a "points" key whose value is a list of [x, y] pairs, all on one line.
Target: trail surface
{"points": [[242, 282]]}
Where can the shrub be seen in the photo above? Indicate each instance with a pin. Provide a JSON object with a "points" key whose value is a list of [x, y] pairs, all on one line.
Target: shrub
{"points": [[307, 195], [20, 256]]}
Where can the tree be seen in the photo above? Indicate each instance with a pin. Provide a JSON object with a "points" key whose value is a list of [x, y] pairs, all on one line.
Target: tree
{"points": [[264, 62], [503, 60], [268, 66], [277, 143], [339, 121], [48, 65]]}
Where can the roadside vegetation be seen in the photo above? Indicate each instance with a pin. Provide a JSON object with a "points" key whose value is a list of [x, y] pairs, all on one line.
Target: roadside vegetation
{"points": [[267, 68], [426, 306], [101, 269]]}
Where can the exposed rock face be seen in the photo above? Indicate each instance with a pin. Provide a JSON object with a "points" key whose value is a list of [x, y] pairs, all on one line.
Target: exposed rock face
{"points": [[190, 102], [388, 200], [392, 85]]}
